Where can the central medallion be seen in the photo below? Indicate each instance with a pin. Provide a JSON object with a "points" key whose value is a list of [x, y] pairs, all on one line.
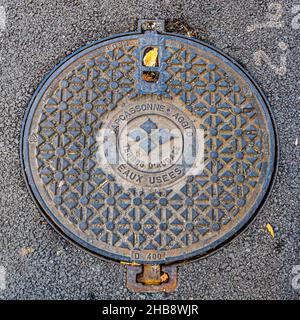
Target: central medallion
{"points": [[150, 144]]}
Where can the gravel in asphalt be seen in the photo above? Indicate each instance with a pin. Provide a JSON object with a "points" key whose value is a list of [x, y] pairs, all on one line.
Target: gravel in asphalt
{"points": [[39, 263]]}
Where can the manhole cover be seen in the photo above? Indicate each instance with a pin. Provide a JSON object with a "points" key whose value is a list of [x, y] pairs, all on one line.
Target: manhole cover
{"points": [[148, 147]]}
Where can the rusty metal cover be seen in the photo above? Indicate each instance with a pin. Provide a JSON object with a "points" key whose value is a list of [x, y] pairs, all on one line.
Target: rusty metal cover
{"points": [[96, 122]]}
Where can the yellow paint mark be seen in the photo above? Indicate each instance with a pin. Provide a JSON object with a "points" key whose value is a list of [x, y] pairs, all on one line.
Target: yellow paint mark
{"points": [[270, 230], [150, 58]]}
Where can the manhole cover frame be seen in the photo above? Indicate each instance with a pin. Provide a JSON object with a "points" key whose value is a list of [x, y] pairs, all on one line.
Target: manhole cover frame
{"points": [[203, 252]]}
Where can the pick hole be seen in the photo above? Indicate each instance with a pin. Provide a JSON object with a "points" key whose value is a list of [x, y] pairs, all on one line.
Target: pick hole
{"points": [[150, 76]]}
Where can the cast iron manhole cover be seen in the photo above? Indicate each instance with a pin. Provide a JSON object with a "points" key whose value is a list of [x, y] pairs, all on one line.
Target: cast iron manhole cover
{"points": [[148, 147]]}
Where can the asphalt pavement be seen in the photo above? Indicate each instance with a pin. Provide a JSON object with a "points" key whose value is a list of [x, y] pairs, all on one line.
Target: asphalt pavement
{"points": [[36, 35]]}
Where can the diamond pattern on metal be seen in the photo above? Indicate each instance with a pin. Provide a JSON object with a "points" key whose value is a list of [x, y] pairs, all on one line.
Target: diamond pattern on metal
{"points": [[91, 206]]}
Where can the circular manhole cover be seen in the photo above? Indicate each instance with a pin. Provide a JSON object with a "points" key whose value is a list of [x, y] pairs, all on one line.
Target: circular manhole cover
{"points": [[148, 147]]}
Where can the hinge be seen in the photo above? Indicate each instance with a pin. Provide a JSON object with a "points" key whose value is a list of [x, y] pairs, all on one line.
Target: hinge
{"points": [[151, 278]]}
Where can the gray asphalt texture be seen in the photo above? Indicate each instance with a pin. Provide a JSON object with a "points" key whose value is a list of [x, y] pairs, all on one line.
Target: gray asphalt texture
{"points": [[40, 264]]}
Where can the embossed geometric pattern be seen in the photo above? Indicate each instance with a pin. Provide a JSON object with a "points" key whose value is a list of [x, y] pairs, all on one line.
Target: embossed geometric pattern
{"points": [[90, 202]]}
